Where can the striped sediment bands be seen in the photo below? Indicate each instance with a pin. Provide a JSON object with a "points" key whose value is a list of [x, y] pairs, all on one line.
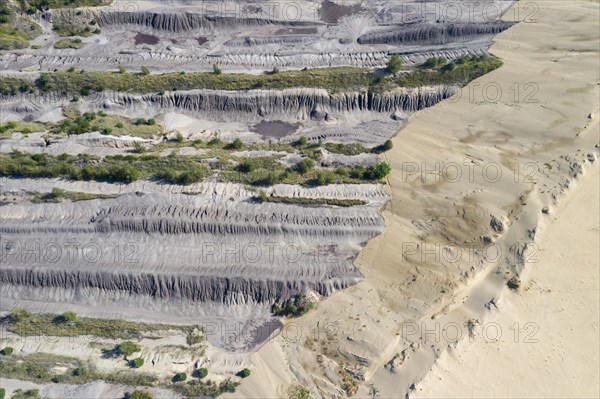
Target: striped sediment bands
{"points": [[181, 247], [291, 101], [416, 34]]}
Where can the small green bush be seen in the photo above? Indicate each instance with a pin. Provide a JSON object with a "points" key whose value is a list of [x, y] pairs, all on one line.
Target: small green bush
{"points": [[137, 363], [122, 69], [81, 371], [305, 166], [180, 377], [7, 351], [128, 348], [217, 70], [202, 372], [395, 64], [378, 171], [2, 393], [302, 141], [58, 379], [245, 373], [325, 178], [247, 166], [69, 316], [237, 144], [145, 71]]}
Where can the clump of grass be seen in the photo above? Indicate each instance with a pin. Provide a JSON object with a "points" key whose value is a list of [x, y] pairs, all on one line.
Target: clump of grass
{"points": [[69, 43]]}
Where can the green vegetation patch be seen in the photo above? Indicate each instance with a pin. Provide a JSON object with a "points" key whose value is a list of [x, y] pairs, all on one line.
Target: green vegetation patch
{"points": [[332, 79], [16, 30], [294, 307], [43, 5], [25, 323], [26, 394], [311, 201], [200, 388], [69, 43], [346, 149], [57, 195], [37, 367], [77, 123]]}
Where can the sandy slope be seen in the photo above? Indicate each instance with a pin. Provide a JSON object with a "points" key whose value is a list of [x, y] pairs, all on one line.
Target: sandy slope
{"points": [[555, 351], [545, 132]]}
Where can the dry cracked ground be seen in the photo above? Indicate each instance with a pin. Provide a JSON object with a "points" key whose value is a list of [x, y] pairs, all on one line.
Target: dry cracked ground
{"points": [[181, 179]]}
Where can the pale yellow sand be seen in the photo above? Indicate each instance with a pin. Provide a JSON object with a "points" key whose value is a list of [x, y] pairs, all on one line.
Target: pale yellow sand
{"points": [[555, 351]]}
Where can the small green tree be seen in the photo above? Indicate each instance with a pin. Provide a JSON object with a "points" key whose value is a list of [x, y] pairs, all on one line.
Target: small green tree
{"points": [[2, 393], [145, 71], [202, 372], [302, 141], [151, 122], [137, 363], [217, 70], [122, 69], [128, 348], [245, 373], [275, 71], [395, 64]]}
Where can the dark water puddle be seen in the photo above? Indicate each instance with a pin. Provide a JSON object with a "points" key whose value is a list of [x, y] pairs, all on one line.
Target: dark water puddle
{"points": [[202, 40], [142, 38], [274, 129], [331, 12]]}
